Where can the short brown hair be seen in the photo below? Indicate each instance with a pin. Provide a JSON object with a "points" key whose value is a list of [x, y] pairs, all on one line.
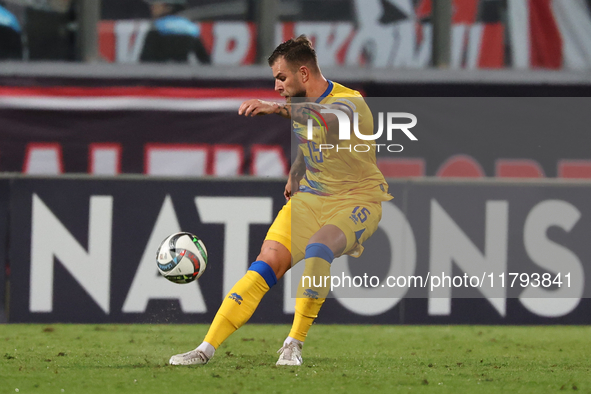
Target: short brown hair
{"points": [[297, 52]]}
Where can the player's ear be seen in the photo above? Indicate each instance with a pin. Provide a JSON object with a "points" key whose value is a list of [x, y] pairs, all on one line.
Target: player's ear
{"points": [[304, 73]]}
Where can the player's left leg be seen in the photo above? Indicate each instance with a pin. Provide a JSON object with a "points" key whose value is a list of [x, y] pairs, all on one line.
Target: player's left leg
{"points": [[312, 289], [348, 225]]}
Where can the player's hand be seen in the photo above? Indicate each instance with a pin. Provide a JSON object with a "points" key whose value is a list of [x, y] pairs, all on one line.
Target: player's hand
{"points": [[287, 191], [255, 107], [291, 188]]}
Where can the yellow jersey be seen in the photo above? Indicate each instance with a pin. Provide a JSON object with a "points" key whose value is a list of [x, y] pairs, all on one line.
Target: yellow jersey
{"points": [[341, 167]]}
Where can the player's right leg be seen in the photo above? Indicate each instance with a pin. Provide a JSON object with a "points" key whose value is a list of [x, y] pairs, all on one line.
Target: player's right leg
{"points": [[243, 299], [241, 302]]}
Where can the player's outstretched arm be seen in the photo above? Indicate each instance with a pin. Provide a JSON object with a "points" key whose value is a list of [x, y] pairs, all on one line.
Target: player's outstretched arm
{"points": [[255, 107]]}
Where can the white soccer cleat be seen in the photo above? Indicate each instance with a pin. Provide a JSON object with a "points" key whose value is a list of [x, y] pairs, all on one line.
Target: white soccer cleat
{"points": [[194, 357], [290, 354]]}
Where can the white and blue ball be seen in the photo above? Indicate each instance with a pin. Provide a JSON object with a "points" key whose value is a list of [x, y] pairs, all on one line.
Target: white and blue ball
{"points": [[181, 257]]}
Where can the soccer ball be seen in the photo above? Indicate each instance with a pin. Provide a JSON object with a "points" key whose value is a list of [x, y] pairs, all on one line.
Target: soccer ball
{"points": [[181, 257]]}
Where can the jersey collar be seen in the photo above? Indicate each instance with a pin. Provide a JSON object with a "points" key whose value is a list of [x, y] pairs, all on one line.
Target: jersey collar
{"points": [[326, 92]]}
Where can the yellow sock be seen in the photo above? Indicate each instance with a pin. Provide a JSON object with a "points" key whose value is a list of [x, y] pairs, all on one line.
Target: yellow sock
{"points": [[310, 296], [240, 303]]}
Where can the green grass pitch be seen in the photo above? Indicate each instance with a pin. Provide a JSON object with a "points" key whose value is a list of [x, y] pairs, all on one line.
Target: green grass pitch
{"points": [[64, 358]]}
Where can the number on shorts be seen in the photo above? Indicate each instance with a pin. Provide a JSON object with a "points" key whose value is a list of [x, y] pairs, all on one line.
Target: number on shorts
{"points": [[363, 214]]}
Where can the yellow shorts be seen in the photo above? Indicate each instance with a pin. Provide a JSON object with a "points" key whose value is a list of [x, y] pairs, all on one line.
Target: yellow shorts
{"points": [[357, 219]]}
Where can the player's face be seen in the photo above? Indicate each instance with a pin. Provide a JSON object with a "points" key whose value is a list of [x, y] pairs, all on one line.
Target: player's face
{"points": [[287, 82]]}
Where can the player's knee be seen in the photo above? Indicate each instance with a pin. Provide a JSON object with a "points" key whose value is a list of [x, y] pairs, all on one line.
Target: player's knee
{"points": [[276, 256], [265, 271], [319, 250], [331, 236]]}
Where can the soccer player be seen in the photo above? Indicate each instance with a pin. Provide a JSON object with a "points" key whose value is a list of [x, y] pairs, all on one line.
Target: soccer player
{"points": [[336, 208]]}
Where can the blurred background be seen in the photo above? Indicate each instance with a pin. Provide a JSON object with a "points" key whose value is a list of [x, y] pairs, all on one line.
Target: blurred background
{"points": [[144, 66], [492, 34], [169, 58], [152, 88]]}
